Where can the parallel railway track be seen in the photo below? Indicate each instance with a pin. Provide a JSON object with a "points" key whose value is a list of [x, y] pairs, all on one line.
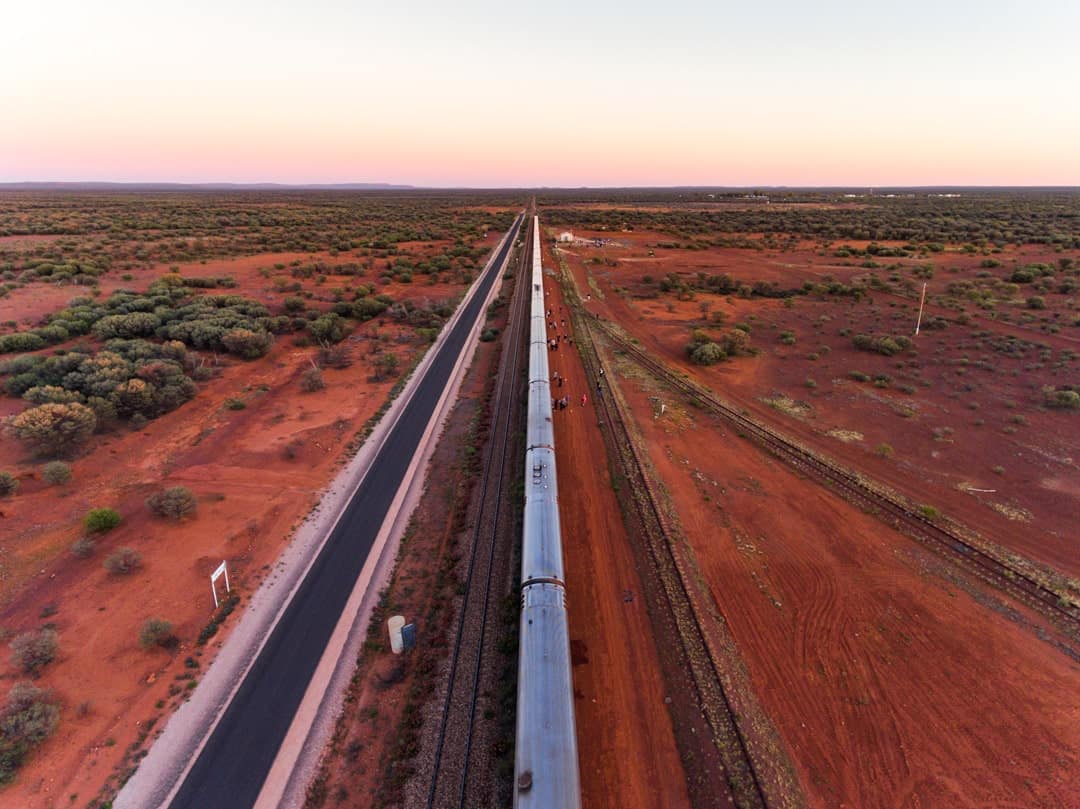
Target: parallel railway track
{"points": [[744, 781], [1012, 577], [454, 747]]}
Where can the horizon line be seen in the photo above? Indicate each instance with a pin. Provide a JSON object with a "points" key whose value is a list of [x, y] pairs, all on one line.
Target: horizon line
{"points": [[392, 186]]}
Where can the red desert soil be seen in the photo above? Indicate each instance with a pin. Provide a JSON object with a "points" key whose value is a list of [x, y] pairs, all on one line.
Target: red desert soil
{"points": [[970, 438], [256, 472], [890, 685], [890, 678], [626, 745]]}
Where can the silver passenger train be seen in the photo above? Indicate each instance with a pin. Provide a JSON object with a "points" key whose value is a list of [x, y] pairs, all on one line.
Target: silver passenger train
{"points": [[546, 761]]}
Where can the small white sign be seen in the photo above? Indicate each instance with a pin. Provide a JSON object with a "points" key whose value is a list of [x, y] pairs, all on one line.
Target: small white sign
{"points": [[217, 574]]}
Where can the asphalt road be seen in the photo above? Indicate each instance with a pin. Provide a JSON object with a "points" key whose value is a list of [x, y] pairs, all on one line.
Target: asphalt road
{"points": [[232, 766]]}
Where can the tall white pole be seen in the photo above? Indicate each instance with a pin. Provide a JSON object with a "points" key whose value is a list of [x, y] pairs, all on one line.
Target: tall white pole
{"points": [[922, 303]]}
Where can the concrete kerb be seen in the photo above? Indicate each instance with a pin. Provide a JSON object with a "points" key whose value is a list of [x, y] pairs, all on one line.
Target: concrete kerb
{"points": [[170, 758]]}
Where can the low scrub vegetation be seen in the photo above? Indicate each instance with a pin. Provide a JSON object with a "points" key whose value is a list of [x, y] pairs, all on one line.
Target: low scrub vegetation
{"points": [[100, 520], [174, 503], [706, 348], [28, 718], [157, 632], [123, 561], [56, 473], [883, 344], [32, 651]]}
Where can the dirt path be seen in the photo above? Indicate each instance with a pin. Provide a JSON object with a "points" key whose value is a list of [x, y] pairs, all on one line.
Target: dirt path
{"points": [[626, 744]]}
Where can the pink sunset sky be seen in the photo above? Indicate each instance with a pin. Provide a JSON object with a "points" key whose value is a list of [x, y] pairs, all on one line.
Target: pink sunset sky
{"points": [[588, 93]]}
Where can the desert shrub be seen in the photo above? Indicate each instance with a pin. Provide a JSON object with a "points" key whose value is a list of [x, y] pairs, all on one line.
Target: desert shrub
{"points": [[135, 324], [329, 328], [52, 394], [122, 561], [488, 335], [9, 484], [247, 343], [27, 719], [83, 547], [707, 354], [174, 503], [335, 357], [100, 520], [54, 428], [882, 345], [294, 304], [20, 341], [312, 380], [929, 512], [157, 632], [884, 450], [1064, 398], [367, 308], [386, 365], [32, 651]]}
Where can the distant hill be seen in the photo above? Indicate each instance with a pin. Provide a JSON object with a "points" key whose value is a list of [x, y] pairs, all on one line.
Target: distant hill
{"points": [[105, 186]]}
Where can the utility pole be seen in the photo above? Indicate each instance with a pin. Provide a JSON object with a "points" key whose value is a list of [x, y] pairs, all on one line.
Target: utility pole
{"points": [[922, 303]]}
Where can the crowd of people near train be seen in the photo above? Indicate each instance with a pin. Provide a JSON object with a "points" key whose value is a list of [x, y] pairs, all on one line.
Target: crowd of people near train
{"points": [[557, 380]]}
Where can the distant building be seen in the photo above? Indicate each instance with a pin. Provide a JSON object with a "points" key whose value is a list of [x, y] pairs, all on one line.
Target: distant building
{"points": [[566, 236]]}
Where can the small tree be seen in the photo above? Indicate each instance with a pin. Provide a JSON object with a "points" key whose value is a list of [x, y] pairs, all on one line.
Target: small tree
{"points": [[707, 354], [122, 561], [54, 428], [174, 503], [56, 472], [29, 717], [157, 632], [32, 651], [100, 520], [9, 484]]}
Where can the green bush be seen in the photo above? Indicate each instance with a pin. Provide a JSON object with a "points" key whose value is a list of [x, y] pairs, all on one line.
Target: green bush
{"points": [[173, 503], [9, 484], [32, 651], [707, 354], [1064, 399], [100, 520], [329, 328], [157, 632], [247, 343], [27, 719], [54, 428], [122, 561], [56, 473], [312, 380]]}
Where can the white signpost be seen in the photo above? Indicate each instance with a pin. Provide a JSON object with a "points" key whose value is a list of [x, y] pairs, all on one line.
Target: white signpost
{"points": [[217, 574]]}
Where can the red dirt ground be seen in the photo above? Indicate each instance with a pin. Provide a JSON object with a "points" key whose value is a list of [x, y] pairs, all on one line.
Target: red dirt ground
{"points": [[257, 472], [890, 680], [950, 441], [626, 745]]}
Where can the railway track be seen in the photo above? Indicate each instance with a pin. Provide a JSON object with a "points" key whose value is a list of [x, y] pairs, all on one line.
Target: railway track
{"points": [[1010, 576], [488, 561], [734, 748]]}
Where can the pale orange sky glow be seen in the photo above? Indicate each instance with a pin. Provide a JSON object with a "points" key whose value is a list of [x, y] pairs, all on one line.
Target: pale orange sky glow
{"points": [[597, 94]]}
